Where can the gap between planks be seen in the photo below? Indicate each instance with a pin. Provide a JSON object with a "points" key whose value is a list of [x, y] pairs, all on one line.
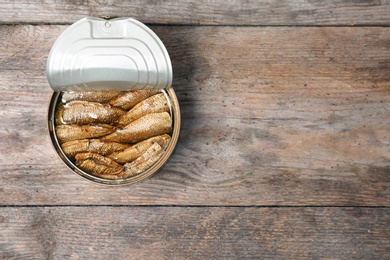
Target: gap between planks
{"points": [[185, 206]]}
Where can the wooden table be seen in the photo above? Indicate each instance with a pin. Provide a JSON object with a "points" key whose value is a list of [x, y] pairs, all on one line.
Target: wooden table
{"points": [[284, 150]]}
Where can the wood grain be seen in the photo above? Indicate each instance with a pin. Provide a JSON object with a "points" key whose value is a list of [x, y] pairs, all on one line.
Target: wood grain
{"points": [[194, 233], [263, 12], [271, 116], [282, 118]]}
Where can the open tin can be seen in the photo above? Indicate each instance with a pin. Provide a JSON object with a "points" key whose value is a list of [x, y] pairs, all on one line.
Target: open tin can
{"points": [[121, 55]]}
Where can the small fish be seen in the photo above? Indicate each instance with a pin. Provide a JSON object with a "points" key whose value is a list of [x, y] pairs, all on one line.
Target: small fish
{"points": [[58, 114], [135, 151], [143, 128], [154, 104], [97, 164], [66, 133], [131, 98], [142, 163], [84, 112], [91, 145], [92, 96]]}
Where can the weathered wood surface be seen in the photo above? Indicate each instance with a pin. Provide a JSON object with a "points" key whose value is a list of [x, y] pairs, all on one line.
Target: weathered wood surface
{"points": [[194, 233], [271, 116], [263, 12], [294, 114]]}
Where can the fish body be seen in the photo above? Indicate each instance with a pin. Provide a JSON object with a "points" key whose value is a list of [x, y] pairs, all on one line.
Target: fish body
{"points": [[131, 98], [84, 112], [133, 152], [150, 125], [58, 114], [97, 164], [142, 163], [91, 145], [66, 133], [98, 133], [92, 96], [154, 104]]}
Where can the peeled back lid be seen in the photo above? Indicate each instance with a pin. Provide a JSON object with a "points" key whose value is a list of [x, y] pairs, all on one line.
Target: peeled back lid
{"points": [[119, 54]]}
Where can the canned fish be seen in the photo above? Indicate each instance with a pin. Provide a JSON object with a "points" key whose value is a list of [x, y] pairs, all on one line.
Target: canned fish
{"points": [[112, 122]]}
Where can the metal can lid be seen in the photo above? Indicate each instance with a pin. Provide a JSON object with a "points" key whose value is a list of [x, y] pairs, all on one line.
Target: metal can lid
{"points": [[98, 54]]}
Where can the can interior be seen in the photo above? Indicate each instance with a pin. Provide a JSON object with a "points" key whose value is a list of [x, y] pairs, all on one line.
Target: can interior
{"points": [[175, 115]]}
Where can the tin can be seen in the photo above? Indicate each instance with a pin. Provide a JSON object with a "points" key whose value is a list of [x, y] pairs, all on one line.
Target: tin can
{"points": [[123, 54]]}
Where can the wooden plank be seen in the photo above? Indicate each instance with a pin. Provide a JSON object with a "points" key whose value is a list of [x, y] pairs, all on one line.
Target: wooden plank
{"points": [[194, 233], [271, 116], [263, 12]]}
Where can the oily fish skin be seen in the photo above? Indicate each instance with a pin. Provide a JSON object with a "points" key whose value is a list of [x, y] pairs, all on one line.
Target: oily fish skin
{"points": [[98, 164], [131, 98], [101, 137], [144, 127], [93, 96], [85, 112], [91, 145], [133, 152], [66, 133], [154, 104], [106, 168]]}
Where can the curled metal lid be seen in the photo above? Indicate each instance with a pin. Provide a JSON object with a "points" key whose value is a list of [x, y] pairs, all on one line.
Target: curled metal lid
{"points": [[119, 54]]}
